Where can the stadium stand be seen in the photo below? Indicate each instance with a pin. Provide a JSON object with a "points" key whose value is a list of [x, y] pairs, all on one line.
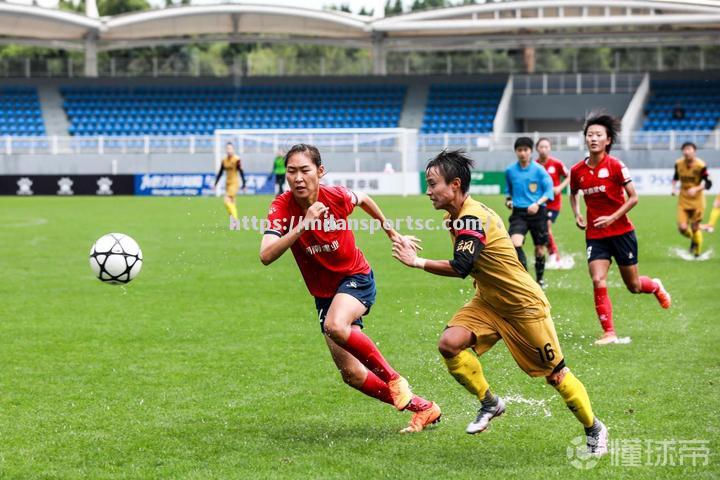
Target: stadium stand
{"points": [[461, 108], [20, 112], [683, 105], [200, 110]]}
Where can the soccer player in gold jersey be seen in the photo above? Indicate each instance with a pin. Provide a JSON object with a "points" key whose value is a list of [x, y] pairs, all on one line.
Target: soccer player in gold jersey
{"points": [[507, 305], [692, 176], [232, 166]]}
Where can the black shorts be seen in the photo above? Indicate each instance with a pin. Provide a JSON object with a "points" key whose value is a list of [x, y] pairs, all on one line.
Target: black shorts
{"points": [[279, 178], [552, 215], [521, 223], [624, 248], [360, 286]]}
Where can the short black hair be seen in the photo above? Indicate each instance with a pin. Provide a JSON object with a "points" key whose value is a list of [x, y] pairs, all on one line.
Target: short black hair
{"points": [[310, 150], [523, 142], [451, 165], [230, 143], [688, 144], [604, 119], [543, 139]]}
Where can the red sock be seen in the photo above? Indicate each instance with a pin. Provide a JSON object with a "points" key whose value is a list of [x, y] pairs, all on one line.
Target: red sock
{"points": [[603, 307], [552, 246], [361, 347], [418, 404], [647, 285], [376, 388]]}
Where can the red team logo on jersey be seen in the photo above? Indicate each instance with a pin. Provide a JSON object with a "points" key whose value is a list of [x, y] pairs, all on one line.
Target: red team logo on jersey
{"points": [[604, 190]]}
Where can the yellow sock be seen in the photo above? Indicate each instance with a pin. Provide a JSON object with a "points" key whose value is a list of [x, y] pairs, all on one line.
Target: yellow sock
{"points": [[714, 215], [576, 398], [467, 370], [698, 239], [687, 233], [231, 209]]}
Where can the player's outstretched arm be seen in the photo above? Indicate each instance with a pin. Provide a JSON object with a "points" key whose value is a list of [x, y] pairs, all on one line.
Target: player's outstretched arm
{"points": [[467, 250], [406, 255]]}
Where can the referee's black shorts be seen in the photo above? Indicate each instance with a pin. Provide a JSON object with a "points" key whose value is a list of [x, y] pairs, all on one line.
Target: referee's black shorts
{"points": [[521, 223]]}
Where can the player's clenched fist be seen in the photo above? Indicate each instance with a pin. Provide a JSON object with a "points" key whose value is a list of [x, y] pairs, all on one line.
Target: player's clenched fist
{"points": [[317, 210]]}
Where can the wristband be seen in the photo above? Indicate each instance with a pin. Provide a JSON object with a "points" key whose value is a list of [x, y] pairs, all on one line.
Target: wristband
{"points": [[419, 263]]}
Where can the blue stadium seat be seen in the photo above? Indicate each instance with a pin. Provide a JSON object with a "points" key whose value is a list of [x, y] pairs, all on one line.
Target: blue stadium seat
{"points": [[461, 108], [20, 113], [700, 101], [200, 110]]}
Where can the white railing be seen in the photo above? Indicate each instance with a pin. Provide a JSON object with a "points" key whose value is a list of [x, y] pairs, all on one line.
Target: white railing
{"points": [[576, 83], [62, 145], [204, 144], [640, 140]]}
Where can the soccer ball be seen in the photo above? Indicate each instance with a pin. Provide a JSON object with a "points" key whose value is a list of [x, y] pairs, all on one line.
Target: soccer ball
{"points": [[116, 258]]}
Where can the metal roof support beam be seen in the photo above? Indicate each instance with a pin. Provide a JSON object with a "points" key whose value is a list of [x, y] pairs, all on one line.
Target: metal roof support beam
{"points": [[379, 54], [91, 50]]}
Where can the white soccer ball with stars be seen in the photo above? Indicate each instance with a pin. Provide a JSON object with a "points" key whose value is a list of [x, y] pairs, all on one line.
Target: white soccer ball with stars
{"points": [[116, 258]]}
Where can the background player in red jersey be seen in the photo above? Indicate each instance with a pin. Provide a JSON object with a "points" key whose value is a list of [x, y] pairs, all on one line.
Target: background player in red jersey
{"points": [[561, 177], [312, 220], [604, 181]]}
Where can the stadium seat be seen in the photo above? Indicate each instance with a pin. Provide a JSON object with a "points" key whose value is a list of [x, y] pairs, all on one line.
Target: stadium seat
{"points": [[200, 110], [461, 108], [700, 101], [20, 112]]}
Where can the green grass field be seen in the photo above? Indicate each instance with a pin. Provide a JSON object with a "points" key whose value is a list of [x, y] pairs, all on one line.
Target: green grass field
{"points": [[210, 365]]}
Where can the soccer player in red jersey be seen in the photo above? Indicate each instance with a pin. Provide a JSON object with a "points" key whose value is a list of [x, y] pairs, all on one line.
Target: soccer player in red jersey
{"points": [[312, 221], [561, 177], [609, 195]]}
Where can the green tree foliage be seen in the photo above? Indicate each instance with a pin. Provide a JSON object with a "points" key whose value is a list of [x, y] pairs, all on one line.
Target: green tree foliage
{"points": [[393, 8]]}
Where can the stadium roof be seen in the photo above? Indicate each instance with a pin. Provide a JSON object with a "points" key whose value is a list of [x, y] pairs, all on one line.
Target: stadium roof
{"points": [[510, 24]]}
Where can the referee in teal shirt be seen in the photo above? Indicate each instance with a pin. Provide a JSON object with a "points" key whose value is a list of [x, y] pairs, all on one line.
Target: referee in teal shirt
{"points": [[528, 188]]}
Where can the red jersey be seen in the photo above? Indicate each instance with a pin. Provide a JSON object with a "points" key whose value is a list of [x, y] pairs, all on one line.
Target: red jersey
{"points": [[325, 255], [557, 171], [603, 188]]}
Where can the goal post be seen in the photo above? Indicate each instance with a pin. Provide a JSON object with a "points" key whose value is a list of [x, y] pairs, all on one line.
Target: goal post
{"points": [[376, 160]]}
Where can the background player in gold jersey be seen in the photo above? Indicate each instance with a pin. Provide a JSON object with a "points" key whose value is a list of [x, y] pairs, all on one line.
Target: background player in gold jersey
{"points": [[232, 166], [692, 176], [507, 305]]}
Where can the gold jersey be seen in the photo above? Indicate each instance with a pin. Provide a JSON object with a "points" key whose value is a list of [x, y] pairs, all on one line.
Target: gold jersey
{"points": [[500, 279], [690, 176], [230, 165]]}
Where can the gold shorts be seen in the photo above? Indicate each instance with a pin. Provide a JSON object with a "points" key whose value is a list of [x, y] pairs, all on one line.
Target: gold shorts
{"points": [[231, 189], [533, 343], [690, 215]]}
